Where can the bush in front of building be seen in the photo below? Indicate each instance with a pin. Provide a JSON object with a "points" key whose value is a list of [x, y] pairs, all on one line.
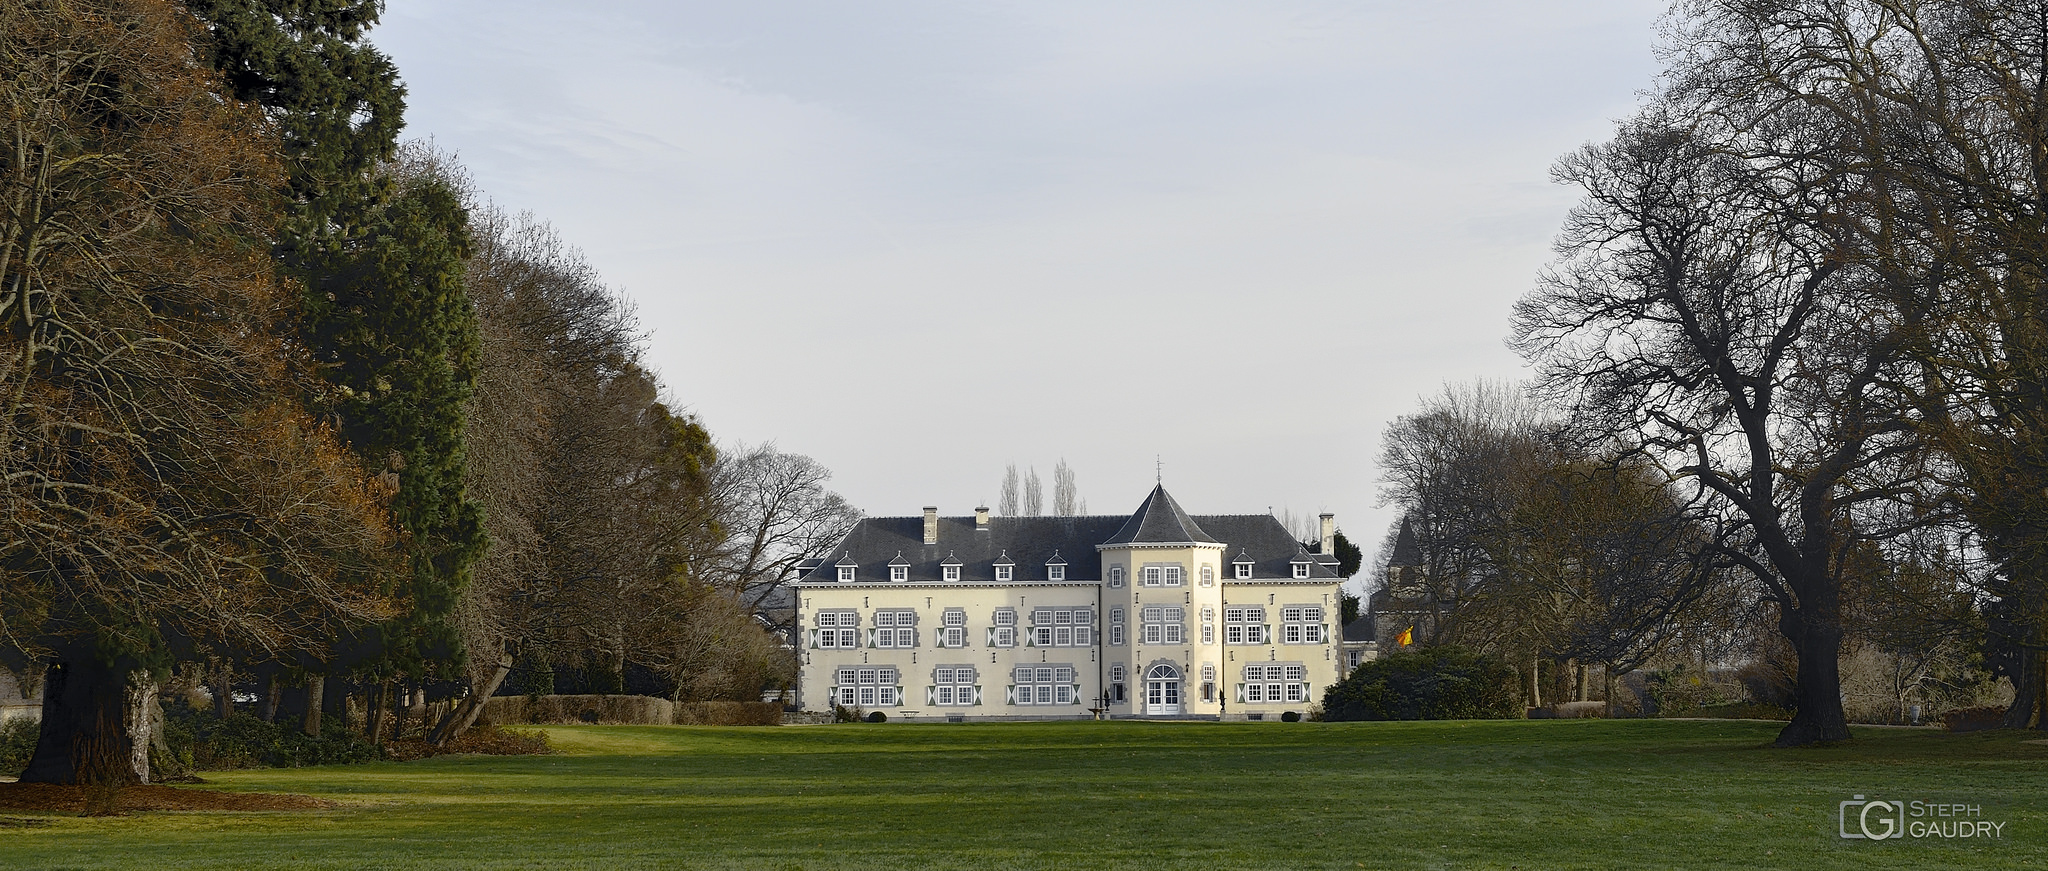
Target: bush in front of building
{"points": [[1435, 683], [17, 743]]}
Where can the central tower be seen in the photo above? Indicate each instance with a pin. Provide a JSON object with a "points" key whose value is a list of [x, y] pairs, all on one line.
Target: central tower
{"points": [[1161, 597]]}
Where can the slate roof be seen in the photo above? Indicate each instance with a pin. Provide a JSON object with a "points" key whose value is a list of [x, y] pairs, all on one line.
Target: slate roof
{"points": [[1360, 629], [1406, 553], [875, 543], [1160, 521]]}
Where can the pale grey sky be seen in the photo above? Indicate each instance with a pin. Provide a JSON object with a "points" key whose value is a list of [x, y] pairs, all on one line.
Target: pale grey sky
{"points": [[918, 240]]}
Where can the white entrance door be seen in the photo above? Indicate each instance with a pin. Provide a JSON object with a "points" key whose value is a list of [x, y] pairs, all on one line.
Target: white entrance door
{"points": [[1162, 691]]}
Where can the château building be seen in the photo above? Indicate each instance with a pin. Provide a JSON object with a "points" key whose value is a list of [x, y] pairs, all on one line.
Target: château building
{"points": [[1155, 614]]}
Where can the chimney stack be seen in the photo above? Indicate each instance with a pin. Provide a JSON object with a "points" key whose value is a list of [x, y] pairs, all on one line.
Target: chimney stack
{"points": [[1328, 546], [931, 524], [981, 518]]}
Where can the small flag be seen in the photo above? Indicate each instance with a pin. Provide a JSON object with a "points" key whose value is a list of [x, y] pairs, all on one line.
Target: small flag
{"points": [[1406, 637]]}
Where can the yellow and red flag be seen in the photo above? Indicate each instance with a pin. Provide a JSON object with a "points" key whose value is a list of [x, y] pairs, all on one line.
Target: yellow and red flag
{"points": [[1406, 637]]}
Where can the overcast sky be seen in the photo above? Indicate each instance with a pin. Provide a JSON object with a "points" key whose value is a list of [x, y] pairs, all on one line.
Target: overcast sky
{"points": [[917, 241]]}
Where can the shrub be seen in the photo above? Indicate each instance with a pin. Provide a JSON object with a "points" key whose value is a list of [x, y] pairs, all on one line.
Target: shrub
{"points": [[728, 714], [1685, 691], [877, 717], [1290, 717], [198, 740], [1973, 719], [1435, 683], [17, 743]]}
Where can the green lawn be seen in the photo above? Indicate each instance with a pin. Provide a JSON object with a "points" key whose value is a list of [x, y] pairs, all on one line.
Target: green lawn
{"points": [[1528, 794]]}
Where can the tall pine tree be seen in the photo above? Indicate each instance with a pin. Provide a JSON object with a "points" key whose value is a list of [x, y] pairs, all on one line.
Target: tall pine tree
{"points": [[378, 251]]}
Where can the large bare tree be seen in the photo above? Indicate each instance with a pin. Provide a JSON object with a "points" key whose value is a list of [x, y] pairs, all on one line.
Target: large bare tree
{"points": [[1701, 312]]}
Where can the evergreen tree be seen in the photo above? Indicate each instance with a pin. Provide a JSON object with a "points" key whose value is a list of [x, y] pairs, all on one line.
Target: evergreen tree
{"points": [[378, 251]]}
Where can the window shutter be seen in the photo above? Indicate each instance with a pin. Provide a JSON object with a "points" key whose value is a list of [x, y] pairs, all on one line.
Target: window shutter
{"points": [[1010, 696], [811, 638], [1240, 693], [931, 695], [977, 695], [871, 638]]}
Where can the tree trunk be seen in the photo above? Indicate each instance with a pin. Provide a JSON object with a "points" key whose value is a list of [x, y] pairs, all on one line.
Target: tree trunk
{"points": [[1535, 682], [1578, 681], [373, 716], [1818, 688], [1607, 681], [273, 690], [86, 737], [315, 687], [463, 715], [223, 690], [2041, 688]]}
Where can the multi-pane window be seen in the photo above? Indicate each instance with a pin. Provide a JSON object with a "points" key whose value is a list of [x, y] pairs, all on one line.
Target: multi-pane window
{"points": [[954, 685], [896, 628], [1004, 632], [951, 573], [1004, 573], [1208, 625], [1208, 681], [868, 687], [1162, 576], [838, 629], [846, 573], [1116, 627], [1116, 576], [1301, 570], [1116, 683], [1244, 570], [1062, 627], [899, 573], [1162, 624], [1044, 685], [1274, 682], [953, 628], [1301, 624], [1208, 576], [1244, 625]]}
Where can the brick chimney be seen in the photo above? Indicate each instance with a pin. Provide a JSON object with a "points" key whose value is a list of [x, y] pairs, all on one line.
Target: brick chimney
{"points": [[931, 524], [1328, 546], [981, 519]]}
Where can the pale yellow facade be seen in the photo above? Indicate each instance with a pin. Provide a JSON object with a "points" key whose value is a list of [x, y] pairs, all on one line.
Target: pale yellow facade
{"points": [[1167, 630]]}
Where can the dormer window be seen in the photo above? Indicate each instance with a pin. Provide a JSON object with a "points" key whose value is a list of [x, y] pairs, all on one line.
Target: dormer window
{"points": [[1006, 568], [1004, 573], [1301, 570], [846, 573], [950, 569], [1056, 568], [899, 573], [846, 565], [1241, 568]]}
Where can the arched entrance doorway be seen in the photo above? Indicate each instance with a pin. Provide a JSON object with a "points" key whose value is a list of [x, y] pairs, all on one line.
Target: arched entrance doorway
{"points": [[1162, 691]]}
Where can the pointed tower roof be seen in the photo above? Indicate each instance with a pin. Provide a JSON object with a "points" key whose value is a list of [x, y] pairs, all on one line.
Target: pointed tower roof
{"points": [[1160, 521], [1406, 553]]}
